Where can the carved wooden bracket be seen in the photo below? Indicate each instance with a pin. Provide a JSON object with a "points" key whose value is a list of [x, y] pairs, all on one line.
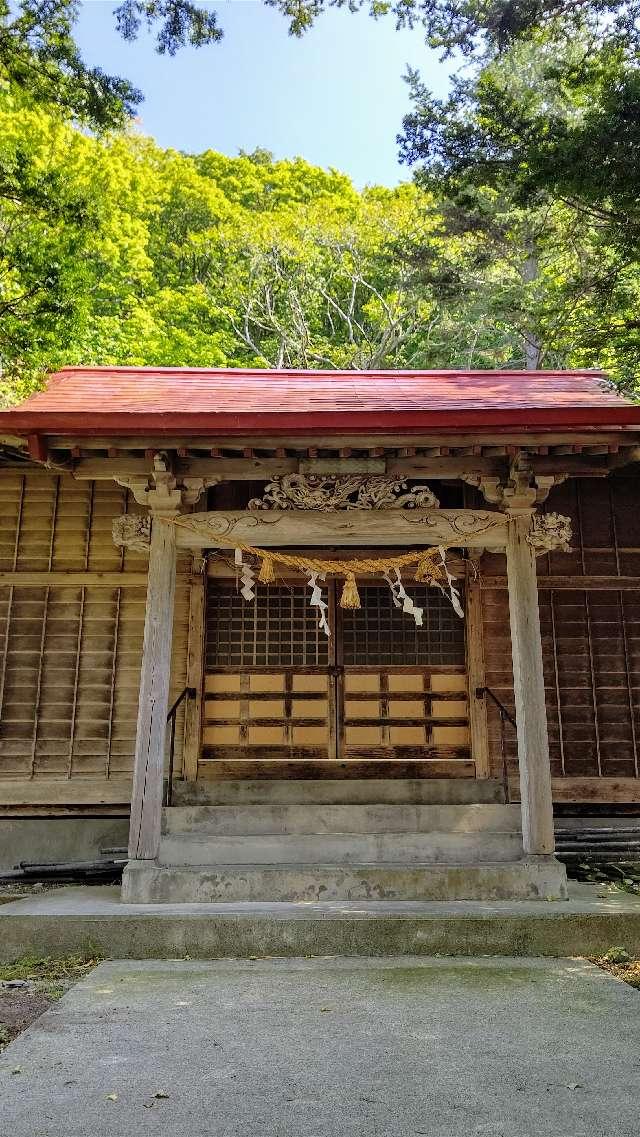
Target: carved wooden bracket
{"points": [[163, 492], [520, 491]]}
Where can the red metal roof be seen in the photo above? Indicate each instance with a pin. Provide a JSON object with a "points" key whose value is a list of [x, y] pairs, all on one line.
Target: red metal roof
{"points": [[146, 400]]}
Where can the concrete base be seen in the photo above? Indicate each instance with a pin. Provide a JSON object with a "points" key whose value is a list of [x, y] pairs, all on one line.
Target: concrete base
{"points": [[145, 882], [47, 840], [94, 919]]}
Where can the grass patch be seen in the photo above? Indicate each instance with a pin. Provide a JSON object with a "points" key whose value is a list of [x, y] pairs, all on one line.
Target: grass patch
{"points": [[51, 977], [43, 980], [618, 962]]}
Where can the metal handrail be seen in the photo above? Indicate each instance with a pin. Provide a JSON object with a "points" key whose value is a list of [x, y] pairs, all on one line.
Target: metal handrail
{"points": [[186, 693], [505, 716]]}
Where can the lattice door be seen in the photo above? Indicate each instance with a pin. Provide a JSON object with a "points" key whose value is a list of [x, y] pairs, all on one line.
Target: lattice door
{"points": [[276, 688], [403, 689], [270, 682]]}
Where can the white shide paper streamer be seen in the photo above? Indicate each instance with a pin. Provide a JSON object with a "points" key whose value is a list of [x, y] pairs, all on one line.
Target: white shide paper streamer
{"points": [[316, 601]]}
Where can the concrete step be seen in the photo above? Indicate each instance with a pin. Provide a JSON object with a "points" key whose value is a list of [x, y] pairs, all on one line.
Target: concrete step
{"points": [[539, 879], [235, 820], [339, 848], [423, 791]]}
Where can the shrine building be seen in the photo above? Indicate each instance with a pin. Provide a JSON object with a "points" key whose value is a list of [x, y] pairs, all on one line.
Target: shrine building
{"points": [[321, 635]]}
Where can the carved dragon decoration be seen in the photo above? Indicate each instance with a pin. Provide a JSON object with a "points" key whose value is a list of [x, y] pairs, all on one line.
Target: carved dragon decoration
{"points": [[132, 531], [549, 532], [331, 493]]}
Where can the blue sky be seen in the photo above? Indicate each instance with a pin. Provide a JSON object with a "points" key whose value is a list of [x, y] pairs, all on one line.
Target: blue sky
{"points": [[336, 97]]}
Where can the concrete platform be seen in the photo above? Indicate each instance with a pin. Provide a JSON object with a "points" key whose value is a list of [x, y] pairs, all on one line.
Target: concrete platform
{"points": [[78, 919], [355, 1048]]}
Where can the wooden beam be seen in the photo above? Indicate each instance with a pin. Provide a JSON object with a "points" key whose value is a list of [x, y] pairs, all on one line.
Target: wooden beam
{"points": [[528, 685], [38, 448], [574, 583], [79, 579], [341, 466], [443, 467], [476, 678], [238, 469], [255, 469], [623, 436], [616, 791], [466, 528], [195, 679], [303, 768], [74, 791], [105, 469], [573, 465], [148, 772]]}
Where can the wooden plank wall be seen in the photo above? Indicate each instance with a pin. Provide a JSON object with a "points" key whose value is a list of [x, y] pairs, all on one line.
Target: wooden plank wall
{"points": [[70, 642], [590, 622]]}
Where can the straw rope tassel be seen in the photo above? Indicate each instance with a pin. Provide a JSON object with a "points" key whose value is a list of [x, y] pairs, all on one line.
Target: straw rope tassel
{"points": [[350, 596], [267, 572], [425, 570]]}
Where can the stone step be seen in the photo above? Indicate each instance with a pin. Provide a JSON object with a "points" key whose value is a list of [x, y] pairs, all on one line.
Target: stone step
{"points": [[339, 848], [540, 879], [235, 820], [425, 791]]}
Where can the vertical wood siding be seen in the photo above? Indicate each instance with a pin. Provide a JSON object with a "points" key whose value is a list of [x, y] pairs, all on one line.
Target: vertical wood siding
{"points": [[70, 652], [590, 638]]}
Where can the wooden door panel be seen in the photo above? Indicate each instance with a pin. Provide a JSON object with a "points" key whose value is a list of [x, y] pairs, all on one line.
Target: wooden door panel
{"points": [[405, 714], [403, 687], [269, 686], [379, 688]]}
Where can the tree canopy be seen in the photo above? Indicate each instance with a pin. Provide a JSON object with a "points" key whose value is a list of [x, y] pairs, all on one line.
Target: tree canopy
{"points": [[515, 244]]}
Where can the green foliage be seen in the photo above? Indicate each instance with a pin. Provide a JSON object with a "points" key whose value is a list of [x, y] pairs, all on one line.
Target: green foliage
{"points": [[534, 160], [182, 23], [616, 955], [463, 25], [542, 123], [115, 251], [39, 58], [50, 975]]}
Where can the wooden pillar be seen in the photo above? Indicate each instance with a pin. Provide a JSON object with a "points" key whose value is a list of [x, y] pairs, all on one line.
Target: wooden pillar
{"points": [[528, 681], [148, 771]]}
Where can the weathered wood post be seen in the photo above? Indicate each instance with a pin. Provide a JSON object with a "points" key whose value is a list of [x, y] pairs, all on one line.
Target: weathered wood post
{"points": [[153, 703], [152, 533], [528, 680]]}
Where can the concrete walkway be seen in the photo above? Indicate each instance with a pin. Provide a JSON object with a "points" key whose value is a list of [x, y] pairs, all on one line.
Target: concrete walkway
{"points": [[331, 1048], [79, 919]]}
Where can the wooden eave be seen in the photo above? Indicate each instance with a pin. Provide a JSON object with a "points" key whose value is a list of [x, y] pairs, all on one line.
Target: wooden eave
{"points": [[588, 454]]}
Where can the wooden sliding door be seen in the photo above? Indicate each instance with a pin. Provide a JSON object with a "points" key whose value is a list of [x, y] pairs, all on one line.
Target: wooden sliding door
{"points": [[269, 682], [379, 688], [402, 689]]}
